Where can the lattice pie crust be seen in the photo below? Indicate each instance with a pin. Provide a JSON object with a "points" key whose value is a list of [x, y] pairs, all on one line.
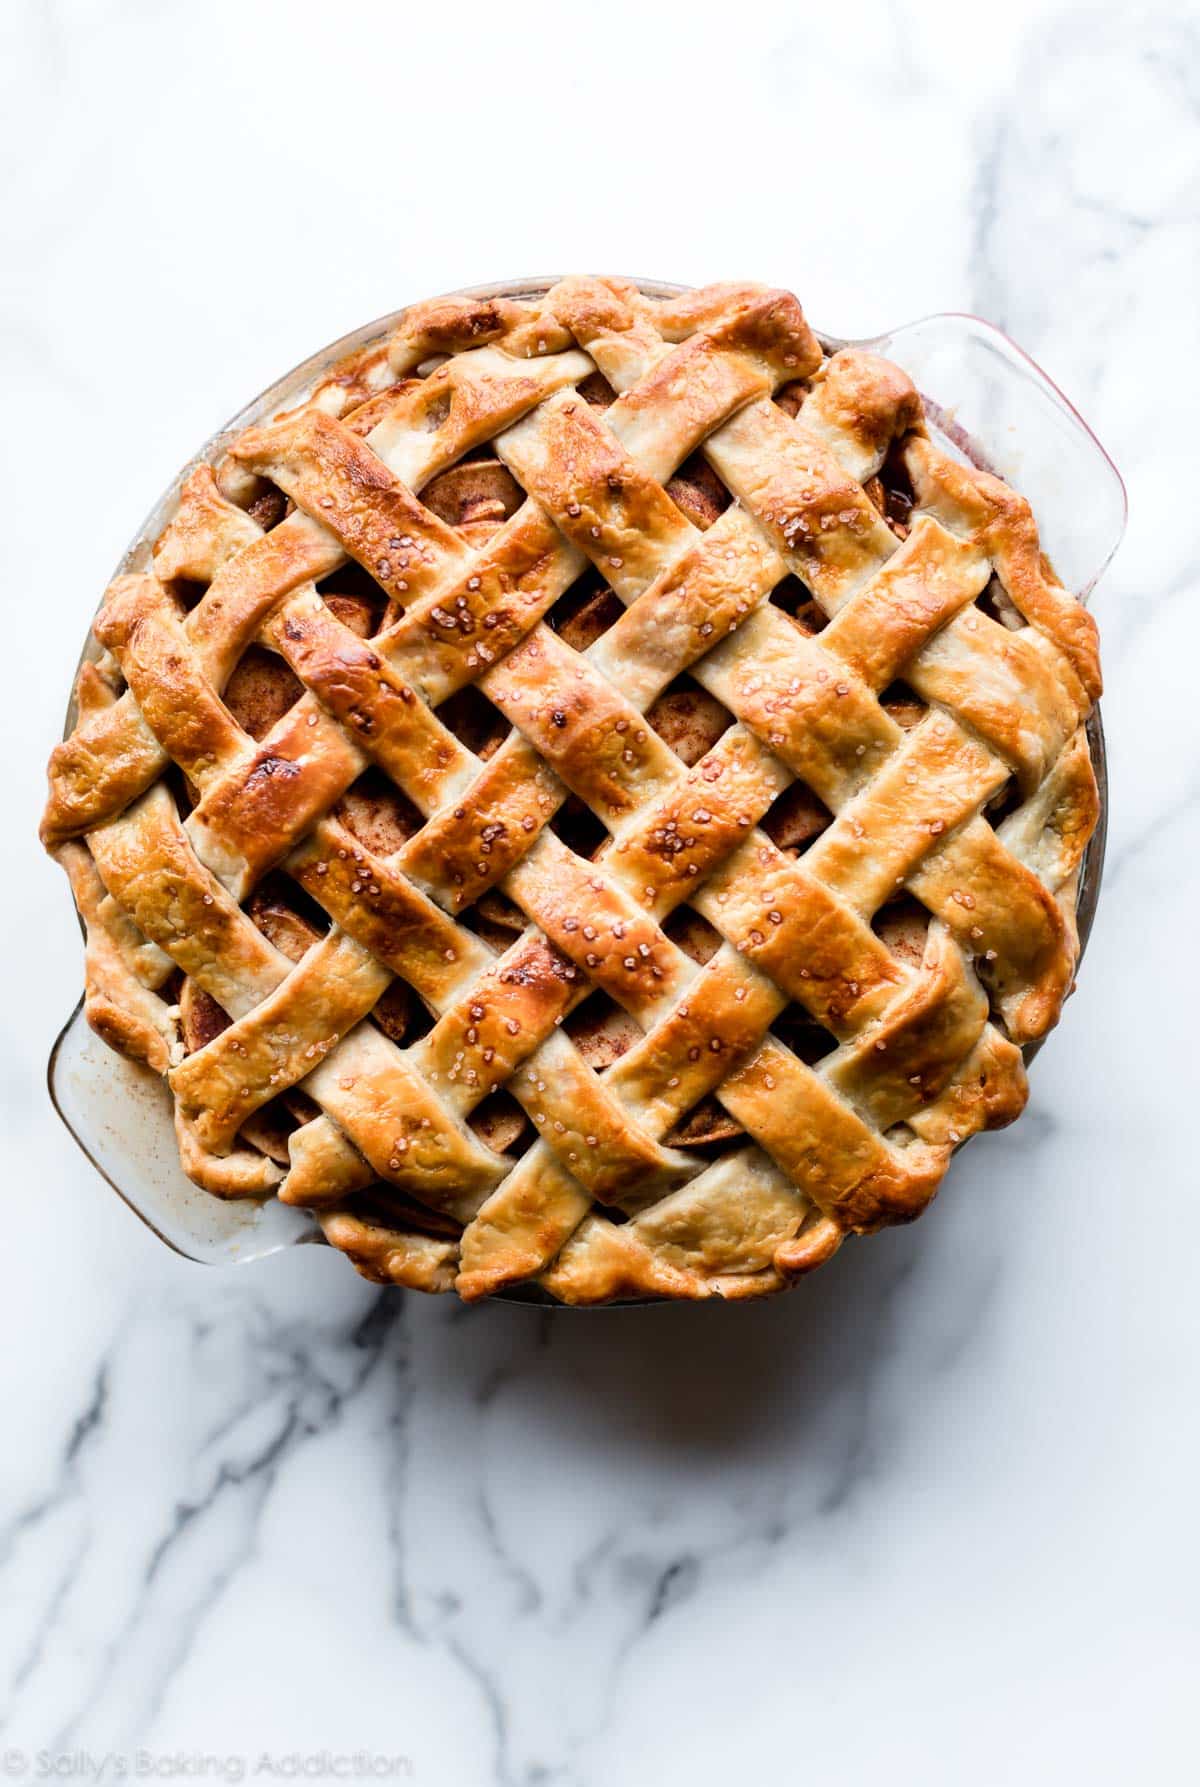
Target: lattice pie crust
{"points": [[593, 797]]}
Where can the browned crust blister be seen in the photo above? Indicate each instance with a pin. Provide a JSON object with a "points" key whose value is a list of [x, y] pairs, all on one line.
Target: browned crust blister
{"points": [[772, 1061]]}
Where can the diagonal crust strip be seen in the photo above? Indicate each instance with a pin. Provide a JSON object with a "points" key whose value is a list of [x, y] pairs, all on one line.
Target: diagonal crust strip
{"points": [[829, 534], [525, 474], [273, 778], [122, 970], [940, 825]]}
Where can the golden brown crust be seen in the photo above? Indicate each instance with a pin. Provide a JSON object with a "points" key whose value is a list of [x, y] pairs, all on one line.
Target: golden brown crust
{"points": [[753, 826], [390, 1256]]}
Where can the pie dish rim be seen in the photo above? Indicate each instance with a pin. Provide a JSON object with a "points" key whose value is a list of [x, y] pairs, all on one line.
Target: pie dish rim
{"points": [[292, 387]]}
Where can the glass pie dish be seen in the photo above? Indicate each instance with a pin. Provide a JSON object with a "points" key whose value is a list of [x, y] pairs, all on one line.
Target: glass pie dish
{"points": [[985, 401]]}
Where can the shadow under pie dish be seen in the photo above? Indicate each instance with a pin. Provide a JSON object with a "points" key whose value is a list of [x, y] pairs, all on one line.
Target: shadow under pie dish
{"points": [[590, 799]]}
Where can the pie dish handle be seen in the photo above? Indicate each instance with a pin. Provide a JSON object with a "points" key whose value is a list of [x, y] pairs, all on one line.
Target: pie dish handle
{"points": [[999, 410], [120, 1115]]}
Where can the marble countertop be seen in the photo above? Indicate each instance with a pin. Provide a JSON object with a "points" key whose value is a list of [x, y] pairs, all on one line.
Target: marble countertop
{"points": [[931, 1518]]}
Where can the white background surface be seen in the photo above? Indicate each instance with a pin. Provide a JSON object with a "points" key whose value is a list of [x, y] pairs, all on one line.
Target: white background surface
{"points": [[931, 1519]]}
